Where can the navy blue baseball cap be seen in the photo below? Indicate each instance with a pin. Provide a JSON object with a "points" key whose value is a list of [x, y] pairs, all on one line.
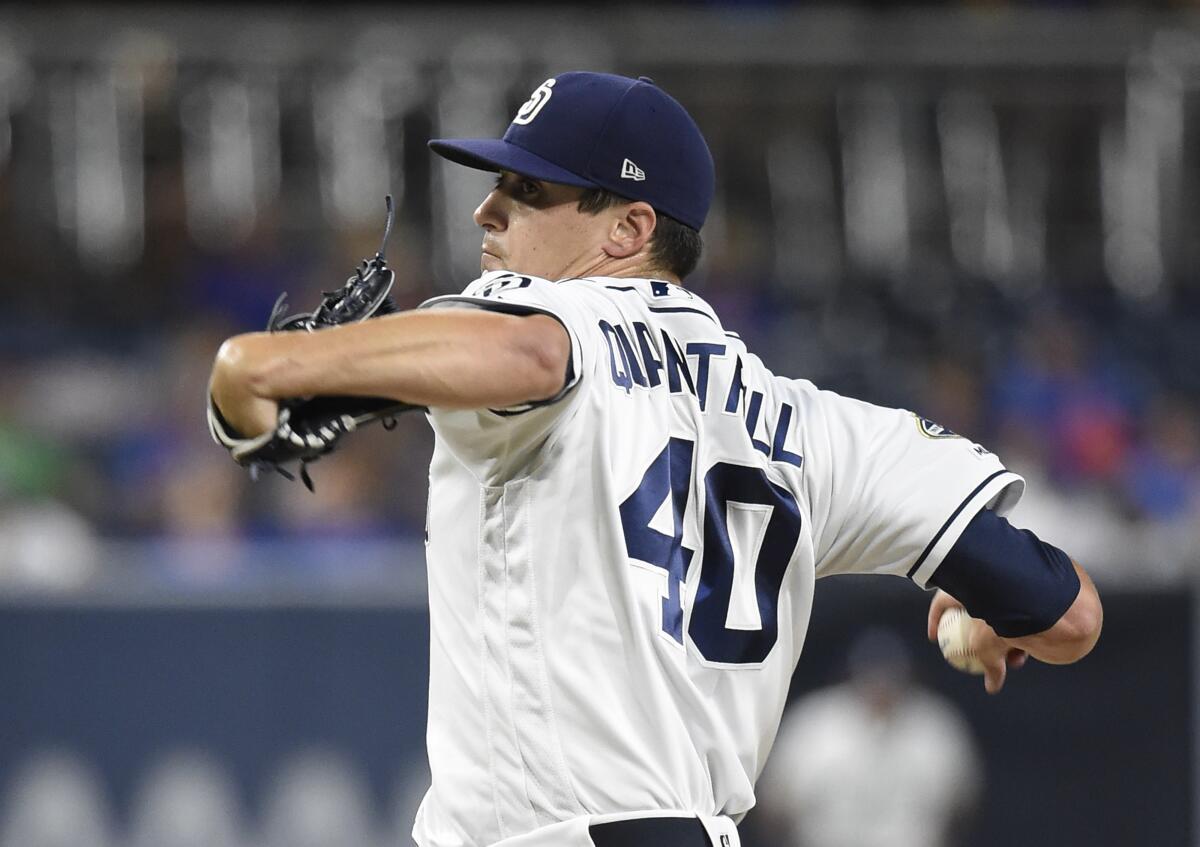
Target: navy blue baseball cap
{"points": [[602, 131]]}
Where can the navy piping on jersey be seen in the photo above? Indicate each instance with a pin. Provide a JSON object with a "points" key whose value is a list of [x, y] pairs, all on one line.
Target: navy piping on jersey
{"points": [[668, 308], [631, 287], [683, 309], [933, 541]]}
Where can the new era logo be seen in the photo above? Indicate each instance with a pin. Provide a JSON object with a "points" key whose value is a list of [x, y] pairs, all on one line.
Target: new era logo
{"points": [[724, 841], [631, 171]]}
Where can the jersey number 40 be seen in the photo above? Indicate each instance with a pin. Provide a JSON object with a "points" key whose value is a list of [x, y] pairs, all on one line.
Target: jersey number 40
{"points": [[751, 526]]}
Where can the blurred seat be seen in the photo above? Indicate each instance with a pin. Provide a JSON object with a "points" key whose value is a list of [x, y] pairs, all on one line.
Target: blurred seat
{"points": [[55, 800], [317, 799], [186, 800]]}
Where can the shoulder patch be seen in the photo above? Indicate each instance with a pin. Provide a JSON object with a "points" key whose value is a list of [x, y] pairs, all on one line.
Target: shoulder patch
{"points": [[933, 430]]}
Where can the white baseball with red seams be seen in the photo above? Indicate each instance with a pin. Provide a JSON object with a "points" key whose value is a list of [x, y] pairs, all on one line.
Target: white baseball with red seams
{"points": [[954, 639]]}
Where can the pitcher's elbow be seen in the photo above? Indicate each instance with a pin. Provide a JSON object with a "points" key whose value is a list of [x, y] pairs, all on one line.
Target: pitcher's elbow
{"points": [[1090, 623], [548, 348], [1081, 625]]}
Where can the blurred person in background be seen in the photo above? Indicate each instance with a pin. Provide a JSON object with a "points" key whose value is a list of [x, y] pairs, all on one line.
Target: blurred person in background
{"points": [[878, 761]]}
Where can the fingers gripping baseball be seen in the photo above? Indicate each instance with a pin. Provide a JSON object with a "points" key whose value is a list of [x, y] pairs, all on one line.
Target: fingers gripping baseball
{"points": [[971, 644], [941, 603]]}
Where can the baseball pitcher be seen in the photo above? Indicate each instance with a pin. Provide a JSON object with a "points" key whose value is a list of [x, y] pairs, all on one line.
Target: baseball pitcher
{"points": [[627, 509]]}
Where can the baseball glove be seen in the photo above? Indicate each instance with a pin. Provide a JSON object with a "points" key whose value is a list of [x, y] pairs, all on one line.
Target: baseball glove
{"points": [[310, 427]]}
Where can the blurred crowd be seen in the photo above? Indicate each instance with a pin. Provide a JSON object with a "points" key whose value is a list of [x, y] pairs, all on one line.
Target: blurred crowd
{"points": [[1079, 376], [103, 436], [102, 431]]}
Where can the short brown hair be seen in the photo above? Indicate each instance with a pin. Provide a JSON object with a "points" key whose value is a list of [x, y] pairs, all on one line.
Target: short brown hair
{"points": [[674, 246]]}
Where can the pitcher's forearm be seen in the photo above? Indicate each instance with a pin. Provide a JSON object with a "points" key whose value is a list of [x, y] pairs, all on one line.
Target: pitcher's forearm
{"points": [[451, 358]]}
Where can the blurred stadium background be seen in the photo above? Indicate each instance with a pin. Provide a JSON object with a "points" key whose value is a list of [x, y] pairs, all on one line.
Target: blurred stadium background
{"points": [[989, 213]]}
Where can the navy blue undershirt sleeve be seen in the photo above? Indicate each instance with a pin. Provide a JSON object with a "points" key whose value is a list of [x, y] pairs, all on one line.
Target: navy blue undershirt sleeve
{"points": [[1008, 577]]}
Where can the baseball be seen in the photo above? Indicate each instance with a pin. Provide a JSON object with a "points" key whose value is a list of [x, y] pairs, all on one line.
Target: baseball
{"points": [[953, 633]]}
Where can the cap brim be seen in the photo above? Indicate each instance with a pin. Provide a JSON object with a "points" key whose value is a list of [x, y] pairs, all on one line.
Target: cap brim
{"points": [[496, 154]]}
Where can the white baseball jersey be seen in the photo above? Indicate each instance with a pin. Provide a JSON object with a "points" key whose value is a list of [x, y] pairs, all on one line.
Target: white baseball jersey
{"points": [[620, 580]]}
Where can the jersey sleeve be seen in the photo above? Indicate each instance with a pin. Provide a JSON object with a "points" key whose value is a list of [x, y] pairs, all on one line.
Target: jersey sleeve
{"points": [[519, 294], [889, 491], [495, 442]]}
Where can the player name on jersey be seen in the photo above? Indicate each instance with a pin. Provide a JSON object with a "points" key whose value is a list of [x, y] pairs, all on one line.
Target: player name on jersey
{"points": [[640, 366]]}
